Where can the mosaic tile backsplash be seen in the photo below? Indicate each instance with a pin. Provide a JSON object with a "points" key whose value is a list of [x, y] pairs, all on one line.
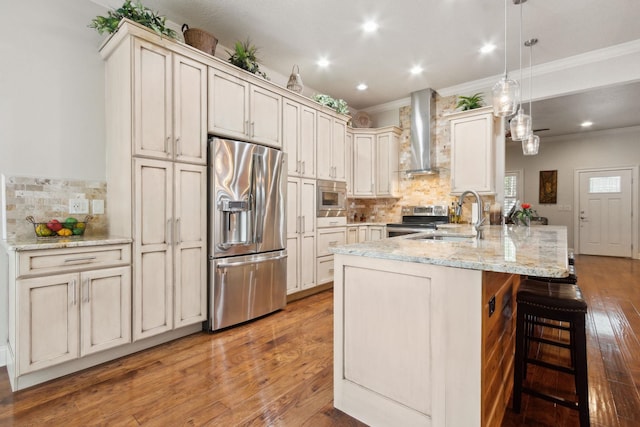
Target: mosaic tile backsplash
{"points": [[45, 199]]}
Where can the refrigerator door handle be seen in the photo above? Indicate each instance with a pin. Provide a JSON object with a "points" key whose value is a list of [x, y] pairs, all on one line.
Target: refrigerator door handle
{"points": [[253, 261], [259, 192]]}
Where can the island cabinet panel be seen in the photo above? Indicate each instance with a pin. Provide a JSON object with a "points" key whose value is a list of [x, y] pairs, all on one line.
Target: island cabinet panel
{"points": [[498, 343]]}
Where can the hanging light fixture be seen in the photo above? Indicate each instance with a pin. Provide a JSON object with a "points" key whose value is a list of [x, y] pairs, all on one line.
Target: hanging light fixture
{"points": [[531, 145], [295, 81], [521, 123], [506, 92]]}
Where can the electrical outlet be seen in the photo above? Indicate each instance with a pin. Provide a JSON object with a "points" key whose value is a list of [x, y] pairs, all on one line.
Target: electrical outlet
{"points": [[97, 207], [78, 206]]}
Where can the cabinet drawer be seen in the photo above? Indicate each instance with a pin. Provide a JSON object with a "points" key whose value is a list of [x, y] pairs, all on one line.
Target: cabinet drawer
{"points": [[49, 261], [330, 237], [324, 267]]}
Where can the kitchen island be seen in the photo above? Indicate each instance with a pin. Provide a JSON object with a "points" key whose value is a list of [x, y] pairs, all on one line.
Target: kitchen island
{"points": [[424, 324]]}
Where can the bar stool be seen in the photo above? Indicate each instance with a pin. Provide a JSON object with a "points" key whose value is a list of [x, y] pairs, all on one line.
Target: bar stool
{"points": [[540, 303]]}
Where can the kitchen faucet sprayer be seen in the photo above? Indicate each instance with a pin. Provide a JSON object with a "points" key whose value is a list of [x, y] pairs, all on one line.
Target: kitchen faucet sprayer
{"points": [[478, 224]]}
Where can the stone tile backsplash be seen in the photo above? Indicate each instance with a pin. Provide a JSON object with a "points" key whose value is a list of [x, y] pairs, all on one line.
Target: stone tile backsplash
{"points": [[47, 198]]}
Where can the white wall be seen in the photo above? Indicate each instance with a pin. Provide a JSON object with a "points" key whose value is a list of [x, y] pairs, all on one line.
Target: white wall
{"points": [[612, 148]]}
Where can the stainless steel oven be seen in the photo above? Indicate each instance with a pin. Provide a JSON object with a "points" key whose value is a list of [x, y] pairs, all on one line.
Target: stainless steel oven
{"points": [[332, 198], [416, 219]]}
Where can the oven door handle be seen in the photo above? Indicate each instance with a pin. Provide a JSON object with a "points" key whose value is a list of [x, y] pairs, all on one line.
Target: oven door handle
{"points": [[409, 229]]}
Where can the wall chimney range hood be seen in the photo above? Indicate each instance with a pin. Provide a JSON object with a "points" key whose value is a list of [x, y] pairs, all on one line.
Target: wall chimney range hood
{"points": [[423, 138]]}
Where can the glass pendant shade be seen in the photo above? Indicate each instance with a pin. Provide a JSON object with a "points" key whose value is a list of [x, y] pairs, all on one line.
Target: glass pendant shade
{"points": [[520, 126], [506, 96], [295, 81], [531, 145]]}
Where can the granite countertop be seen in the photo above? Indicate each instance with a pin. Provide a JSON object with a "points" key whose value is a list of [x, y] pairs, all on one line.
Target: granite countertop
{"points": [[536, 250], [32, 243]]}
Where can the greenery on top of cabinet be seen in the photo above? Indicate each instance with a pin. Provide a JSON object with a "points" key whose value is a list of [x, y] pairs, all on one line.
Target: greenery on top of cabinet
{"points": [[135, 12]]}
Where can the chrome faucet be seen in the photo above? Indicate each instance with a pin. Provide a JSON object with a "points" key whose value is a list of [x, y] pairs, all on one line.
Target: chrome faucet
{"points": [[478, 224]]}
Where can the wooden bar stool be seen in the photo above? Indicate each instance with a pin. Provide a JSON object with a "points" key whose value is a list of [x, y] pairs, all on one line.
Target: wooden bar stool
{"points": [[539, 304]]}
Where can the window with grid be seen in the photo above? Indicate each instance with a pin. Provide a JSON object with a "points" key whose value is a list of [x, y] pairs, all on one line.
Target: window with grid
{"points": [[512, 190]]}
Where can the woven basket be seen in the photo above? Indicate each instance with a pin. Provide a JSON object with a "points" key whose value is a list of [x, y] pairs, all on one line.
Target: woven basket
{"points": [[199, 39]]}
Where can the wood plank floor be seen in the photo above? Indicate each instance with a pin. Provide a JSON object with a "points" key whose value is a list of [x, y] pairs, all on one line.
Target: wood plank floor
{"points": [[277, 371]]}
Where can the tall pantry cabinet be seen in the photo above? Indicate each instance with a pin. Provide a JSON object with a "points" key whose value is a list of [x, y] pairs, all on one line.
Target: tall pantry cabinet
{"points": [[156, 178]]}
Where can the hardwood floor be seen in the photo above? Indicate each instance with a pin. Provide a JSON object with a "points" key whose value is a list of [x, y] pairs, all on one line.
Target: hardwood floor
{"points": [[277, 371]]}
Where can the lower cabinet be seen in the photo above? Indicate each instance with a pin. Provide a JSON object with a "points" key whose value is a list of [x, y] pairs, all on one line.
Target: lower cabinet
{"points": [[328, 237], [365, 233], [66, 304], [67, 316]]}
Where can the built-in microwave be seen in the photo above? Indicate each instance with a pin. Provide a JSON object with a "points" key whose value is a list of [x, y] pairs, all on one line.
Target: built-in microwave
{"points": [[332, 198]]}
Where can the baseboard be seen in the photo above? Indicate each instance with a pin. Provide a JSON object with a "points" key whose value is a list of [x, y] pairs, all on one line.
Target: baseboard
{"points": [[3, 355], [309, 292]]}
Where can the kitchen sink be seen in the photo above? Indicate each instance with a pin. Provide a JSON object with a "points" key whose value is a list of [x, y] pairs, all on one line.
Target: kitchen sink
{"points": [[442, 237]]}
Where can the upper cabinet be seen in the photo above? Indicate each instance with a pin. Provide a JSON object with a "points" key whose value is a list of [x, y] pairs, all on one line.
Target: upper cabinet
{"points": [[299, 138], [240, 109], [169, 102], [375, 162], [475, 137], [332, 144]]}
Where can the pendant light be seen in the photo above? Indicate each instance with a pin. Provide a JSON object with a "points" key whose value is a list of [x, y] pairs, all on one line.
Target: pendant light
{"points": [[521, 123], [506, 92], [531, 145]]}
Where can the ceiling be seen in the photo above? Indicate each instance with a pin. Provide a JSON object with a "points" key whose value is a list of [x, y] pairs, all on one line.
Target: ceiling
{"points": [[441, 36]]}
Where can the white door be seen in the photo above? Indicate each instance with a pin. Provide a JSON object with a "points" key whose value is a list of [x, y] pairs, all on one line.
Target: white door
{"points": [[605, 212], [190, 110], [228, 104], [266, 116]]}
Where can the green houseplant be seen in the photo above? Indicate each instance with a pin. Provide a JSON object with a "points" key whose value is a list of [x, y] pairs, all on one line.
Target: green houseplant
{"points": [[244, 56], [135, 12], [470, 102], [340, 105]]}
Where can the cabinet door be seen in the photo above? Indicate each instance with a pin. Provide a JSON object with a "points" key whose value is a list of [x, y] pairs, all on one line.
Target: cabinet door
{"points": [[387, 167], [308, 235], [339, 148], [363, 178], [293, 234], [307, 148], [266, 116], [377, 232], [105, 309], [152, 103], [291, 135], [48, 319], [349, 165], [324, 167], [472, 151], [152, 271], [190, 110], [228, 105], [352, 234], [190, 244], [363, 233]]}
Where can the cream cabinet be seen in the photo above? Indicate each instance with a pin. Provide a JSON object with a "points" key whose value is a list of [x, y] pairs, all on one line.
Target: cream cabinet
{"points": [[349, 165], [66, 304], [157, 177], [299, 138], [331, 151], [376, 162], [301, 234], [352, 234], [169, 104], [474, 137], [243, 110], [377, 232], [365, 233], [170, 261]]}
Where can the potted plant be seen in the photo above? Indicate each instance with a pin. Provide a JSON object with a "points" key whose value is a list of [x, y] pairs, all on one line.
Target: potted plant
{"points": [[470, 102], [135, 12], [340, 105], [244, 56]]}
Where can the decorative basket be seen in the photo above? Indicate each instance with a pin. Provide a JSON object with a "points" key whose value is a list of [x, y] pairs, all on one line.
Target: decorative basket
{"points": [[199, 39], [55, 228]]}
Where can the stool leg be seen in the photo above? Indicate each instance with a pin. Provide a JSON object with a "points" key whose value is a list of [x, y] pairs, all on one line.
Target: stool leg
{"points": [[520, 362], [582, 378]]}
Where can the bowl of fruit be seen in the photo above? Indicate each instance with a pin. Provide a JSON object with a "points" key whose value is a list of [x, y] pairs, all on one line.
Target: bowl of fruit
{"points": [[56, 228]]}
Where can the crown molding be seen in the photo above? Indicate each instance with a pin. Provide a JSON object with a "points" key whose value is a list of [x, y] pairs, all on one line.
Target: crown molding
{"points": [[388, 106]]}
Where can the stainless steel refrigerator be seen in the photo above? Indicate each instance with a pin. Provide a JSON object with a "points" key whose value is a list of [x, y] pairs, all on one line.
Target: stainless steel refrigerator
{"points": [[247, 234]]}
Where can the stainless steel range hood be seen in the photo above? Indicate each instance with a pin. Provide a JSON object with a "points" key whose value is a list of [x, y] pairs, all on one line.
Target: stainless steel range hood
{"points": [[423, 138]]}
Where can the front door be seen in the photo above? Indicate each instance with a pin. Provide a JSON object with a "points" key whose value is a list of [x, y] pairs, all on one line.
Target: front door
{"points": [[605, 212]]}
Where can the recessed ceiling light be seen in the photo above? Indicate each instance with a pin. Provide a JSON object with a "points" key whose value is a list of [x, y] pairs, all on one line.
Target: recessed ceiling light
{"points": [[323, 62], [370, 26], [489, 47], [416, 69], [362, 86], [586, 124]]}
